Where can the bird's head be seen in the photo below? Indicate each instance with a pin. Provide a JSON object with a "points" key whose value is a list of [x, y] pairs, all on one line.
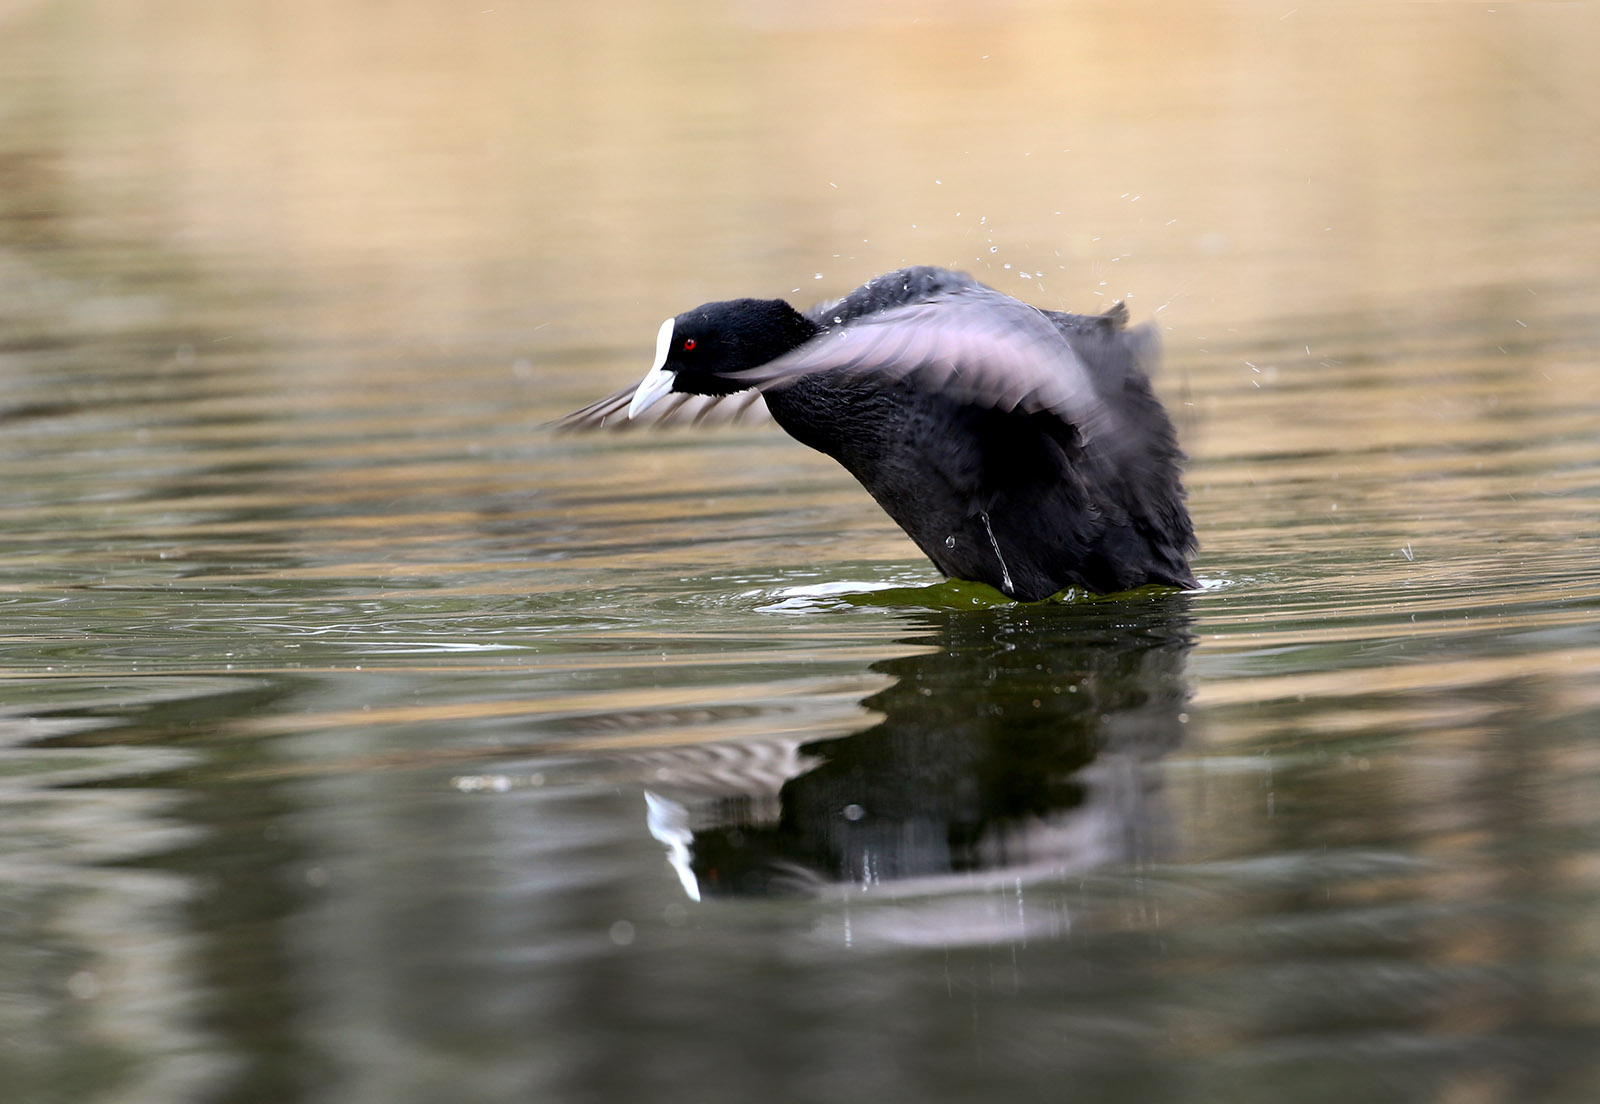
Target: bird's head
{"points": [[702, 351]]}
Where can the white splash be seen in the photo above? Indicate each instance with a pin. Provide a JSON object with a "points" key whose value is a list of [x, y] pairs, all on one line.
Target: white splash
{"points": [[1005, 572]]}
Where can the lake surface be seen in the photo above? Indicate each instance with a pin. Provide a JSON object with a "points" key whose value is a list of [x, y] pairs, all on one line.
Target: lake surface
{"points": [[361, 740]]}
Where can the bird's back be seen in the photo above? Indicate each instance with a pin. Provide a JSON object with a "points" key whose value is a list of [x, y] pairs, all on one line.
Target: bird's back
{"points": [[916, 284]]}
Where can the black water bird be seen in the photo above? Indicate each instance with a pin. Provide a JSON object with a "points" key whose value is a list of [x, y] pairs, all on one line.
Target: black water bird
{"points": [[1018, 447]]}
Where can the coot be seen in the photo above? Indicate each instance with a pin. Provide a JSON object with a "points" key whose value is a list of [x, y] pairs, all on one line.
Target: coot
{"points": [[1018, 447]]}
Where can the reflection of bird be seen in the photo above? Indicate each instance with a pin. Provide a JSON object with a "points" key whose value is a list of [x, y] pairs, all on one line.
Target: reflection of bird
{"points": [[1012, 740], [1018, 447]]}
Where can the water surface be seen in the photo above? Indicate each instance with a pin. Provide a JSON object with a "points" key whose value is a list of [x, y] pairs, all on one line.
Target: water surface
{"points": [[362, 740]]}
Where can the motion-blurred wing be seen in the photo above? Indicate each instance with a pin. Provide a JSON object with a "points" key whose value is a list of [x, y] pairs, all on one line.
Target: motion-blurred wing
{"points": [[976, 346], [611, 412]]}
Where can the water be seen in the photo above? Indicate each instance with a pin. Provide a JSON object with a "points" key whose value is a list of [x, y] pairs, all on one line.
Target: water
{"points": [[363, 741]]}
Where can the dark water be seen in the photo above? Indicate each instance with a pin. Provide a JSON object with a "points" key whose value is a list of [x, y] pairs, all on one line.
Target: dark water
{"points": [[361, 741]]}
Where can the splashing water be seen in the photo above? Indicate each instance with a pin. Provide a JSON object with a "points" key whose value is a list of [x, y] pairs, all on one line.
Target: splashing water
{"points": [[1005, 572]]}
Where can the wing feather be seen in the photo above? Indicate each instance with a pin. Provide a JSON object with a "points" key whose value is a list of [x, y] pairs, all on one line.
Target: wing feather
{"points": [[973, 344], [611, 412]]}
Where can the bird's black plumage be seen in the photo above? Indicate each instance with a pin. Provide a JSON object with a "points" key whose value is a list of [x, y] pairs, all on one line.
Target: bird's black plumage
{"points": [[1018, 447]]}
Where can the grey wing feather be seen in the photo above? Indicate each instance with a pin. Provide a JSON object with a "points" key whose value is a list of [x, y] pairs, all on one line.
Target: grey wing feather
{"points": [[976, 346], [611, 412]]}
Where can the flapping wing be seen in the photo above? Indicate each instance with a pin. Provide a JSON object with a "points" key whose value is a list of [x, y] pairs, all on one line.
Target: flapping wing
{"points": [[975, 346], [611, 412], [970, 343]]}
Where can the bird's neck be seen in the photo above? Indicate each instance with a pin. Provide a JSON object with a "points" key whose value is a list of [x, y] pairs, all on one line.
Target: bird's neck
{"points": [[783, 330]]}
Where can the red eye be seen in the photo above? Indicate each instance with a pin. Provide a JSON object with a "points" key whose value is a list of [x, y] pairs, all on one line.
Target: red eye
{"points": [[688, 343]]}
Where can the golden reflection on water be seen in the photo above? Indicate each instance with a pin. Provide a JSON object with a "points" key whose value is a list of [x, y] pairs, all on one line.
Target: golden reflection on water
{"points": [[548, 176]]}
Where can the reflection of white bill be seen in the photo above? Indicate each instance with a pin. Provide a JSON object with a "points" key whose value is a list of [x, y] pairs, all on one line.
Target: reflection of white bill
{"points": [[669, 823]]}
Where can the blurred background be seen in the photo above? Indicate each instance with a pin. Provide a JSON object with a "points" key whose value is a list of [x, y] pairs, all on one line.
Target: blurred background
{"points": [[362, 740]]}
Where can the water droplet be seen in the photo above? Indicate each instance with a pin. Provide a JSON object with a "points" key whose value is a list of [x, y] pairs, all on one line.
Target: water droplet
{"points": [[950, 542], [854, 812]]}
